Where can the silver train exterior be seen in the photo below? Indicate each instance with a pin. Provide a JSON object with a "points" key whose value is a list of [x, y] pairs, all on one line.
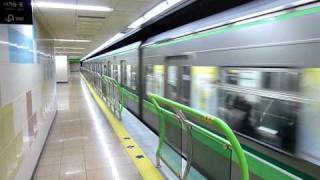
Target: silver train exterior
{"points": [[260, 75]]}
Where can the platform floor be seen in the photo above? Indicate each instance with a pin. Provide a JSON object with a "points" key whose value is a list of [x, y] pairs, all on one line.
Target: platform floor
{"points": [[81, 144]]}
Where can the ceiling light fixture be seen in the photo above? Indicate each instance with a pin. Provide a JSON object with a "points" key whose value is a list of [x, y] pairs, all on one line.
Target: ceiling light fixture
{"points": [[69, 52], [104, 45], [53, 5], [137, 23], [158, 9], [72, 40], [69, 48]]}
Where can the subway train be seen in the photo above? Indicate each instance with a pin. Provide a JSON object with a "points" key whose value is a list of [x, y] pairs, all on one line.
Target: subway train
{"points": [[260, 74]]}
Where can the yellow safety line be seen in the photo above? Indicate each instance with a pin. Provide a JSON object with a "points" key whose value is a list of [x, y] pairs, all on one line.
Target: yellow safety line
{"points": [[145, 167]]}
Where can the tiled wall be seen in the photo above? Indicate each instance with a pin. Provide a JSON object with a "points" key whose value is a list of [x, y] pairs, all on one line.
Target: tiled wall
{"points": [[27, 97]]}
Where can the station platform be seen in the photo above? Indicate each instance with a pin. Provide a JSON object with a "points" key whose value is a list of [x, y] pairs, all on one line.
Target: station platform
{"points": [[83, 145]]}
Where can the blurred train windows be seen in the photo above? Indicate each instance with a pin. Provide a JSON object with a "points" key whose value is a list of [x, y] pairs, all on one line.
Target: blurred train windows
{"points": [[260, 103], [172, 84], [128, 76], [149, 79], [275, 79], [267, 105], [269, 120], [116, 69], [131, 76], [204, 95], [185, 85], [154, 79], [281, 81], [179, 84]]}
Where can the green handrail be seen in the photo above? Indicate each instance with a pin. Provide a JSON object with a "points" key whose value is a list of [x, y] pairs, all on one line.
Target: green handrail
{"points": [[205, 118], [119, 88]]}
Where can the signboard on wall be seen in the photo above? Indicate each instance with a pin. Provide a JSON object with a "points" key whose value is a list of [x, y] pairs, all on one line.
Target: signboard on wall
{"points": [[15, 12]]}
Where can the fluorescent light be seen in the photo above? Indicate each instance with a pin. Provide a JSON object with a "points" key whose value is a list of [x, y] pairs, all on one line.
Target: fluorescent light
{"points": [[65, 40], [72, 40], [137, 23], [53, 5], [69, 48], [104, 45], [69, 52], [158, 9]]}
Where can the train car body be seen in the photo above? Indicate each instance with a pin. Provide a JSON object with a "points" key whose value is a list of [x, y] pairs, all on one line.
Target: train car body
{"points": [[123, 66], [261, 75]]}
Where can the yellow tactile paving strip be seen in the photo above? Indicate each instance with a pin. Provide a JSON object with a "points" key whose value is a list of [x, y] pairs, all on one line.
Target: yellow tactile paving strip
{"points": [[145, 167]]}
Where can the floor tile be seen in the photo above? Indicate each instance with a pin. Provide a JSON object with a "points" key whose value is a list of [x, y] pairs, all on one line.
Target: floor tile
{"points": [[48, 170], [81, 144]]}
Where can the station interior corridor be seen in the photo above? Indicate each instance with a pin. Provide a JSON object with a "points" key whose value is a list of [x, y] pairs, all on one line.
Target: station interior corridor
{"points": [[81, 144]]}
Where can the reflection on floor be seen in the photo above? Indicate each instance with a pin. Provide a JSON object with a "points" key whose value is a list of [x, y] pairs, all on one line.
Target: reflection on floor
{"points": [[147, 141], [81, 144]]}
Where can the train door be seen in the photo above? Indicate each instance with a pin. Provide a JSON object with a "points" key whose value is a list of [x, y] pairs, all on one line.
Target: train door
{"points": [[178, 80]]}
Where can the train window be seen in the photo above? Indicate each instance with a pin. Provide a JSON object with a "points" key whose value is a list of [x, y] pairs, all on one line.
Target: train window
{"points": [[128, 76], [149, 79], [131, 79], [261, 103], [276, 79], [119, 73], [272, 121], [204, 94], [115, 71], [155, 79], [172, 85], [185, 85], [179, 84]]}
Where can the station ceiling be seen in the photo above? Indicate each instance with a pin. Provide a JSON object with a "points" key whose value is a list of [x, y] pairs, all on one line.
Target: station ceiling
{"points": [[94, 26]]}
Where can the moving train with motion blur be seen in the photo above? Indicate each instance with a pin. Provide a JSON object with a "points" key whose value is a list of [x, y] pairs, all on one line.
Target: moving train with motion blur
{"points": [[259, 74]]}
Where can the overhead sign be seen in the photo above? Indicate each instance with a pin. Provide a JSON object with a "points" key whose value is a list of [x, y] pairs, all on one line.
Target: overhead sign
{"points": [[15, 12]]}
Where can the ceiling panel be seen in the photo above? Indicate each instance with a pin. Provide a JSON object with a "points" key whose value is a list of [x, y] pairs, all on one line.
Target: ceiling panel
{"points": [[95, 26]]}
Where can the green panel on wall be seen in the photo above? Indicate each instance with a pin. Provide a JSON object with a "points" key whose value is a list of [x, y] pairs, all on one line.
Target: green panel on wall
{"points": [[74, 59]]}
